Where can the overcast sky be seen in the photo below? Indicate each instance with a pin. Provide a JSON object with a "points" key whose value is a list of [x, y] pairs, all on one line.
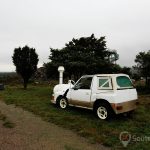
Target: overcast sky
{"points": [[52, 23]]}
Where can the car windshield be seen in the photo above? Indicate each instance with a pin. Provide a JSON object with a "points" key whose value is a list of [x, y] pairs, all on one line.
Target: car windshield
{"points": [[84, 83], [124, 82]]}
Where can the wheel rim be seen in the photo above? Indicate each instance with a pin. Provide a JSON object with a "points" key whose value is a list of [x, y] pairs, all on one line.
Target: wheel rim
{"points": [[63, 103], [102, 112]]}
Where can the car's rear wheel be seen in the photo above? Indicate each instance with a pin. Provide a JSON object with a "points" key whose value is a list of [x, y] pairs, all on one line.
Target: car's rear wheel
{"points": [[63, 103], [103, 111]]}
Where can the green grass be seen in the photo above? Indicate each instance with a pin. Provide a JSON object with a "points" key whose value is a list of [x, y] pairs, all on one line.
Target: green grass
{"points": [[37, 100]]}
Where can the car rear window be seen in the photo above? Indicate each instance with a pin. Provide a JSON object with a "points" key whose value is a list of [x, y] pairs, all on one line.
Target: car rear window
{"points": [[124, 82]]}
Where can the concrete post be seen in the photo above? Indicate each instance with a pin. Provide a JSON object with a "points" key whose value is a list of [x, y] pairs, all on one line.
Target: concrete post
{"points": [[61, 70]]}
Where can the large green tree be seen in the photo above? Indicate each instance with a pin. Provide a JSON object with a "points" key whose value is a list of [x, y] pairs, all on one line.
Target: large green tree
{"points": [[86, 55], [143, 64], [25, 59]]}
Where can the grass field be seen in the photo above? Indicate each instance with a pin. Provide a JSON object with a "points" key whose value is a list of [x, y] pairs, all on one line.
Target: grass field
{"points": [[37, 100]]}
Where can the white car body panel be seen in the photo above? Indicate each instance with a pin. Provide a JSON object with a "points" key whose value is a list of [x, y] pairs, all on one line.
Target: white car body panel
{"points": [[80, 95], [125, 95], [60, 89]]}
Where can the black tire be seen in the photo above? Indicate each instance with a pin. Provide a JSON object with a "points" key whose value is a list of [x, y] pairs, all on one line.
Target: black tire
{"points": [[103, 111], [62, 102]]}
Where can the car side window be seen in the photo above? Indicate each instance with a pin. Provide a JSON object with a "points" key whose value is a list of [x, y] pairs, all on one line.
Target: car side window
{"points": [[84, 83], [104, 83]]}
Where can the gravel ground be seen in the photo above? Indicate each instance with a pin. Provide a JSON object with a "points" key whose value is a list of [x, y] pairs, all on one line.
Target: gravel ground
{"points": [[32, 133]]}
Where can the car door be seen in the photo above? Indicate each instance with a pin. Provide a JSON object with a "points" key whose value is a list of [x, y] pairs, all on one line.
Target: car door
{"points": [[80, 94]]}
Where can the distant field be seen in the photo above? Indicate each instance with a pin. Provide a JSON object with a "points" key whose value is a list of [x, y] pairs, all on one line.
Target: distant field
{"points": [[37, 100], [7, 77], [7, 73]]}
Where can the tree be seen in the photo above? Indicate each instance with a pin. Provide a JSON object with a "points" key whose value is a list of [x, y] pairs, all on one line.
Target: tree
{"points": [[25, 59], [51, 70], [113, 56], [126, 70], [86, 55], [143, 64]]}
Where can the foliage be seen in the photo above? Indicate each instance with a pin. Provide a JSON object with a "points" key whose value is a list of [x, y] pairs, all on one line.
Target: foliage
{"points": [[86, 55], [25, 59], [143, 64], [51, 70], [126, 70]]}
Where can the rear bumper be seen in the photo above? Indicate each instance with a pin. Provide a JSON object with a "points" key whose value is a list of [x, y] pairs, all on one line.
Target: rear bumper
{"points": [[125, 106]]}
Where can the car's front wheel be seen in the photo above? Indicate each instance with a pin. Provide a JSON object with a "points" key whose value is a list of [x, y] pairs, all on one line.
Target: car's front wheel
{"points": [[63, 103]]}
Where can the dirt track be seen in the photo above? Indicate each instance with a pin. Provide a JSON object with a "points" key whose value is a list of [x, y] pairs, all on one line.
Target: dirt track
{"points": [[32, 133]]}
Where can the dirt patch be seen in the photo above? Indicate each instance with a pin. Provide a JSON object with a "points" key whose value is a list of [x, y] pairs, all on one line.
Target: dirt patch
{"points": [[6, 123], [30, 132]]}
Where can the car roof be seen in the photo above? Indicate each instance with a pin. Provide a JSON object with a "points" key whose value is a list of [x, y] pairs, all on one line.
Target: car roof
{"points": [[112, 75]]}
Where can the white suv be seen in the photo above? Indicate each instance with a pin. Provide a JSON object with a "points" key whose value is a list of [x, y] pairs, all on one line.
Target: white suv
{"points": [[106, 94]]}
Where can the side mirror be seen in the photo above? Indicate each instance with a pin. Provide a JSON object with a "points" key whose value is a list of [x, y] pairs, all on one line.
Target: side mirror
{"points": [[71, 81]]}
